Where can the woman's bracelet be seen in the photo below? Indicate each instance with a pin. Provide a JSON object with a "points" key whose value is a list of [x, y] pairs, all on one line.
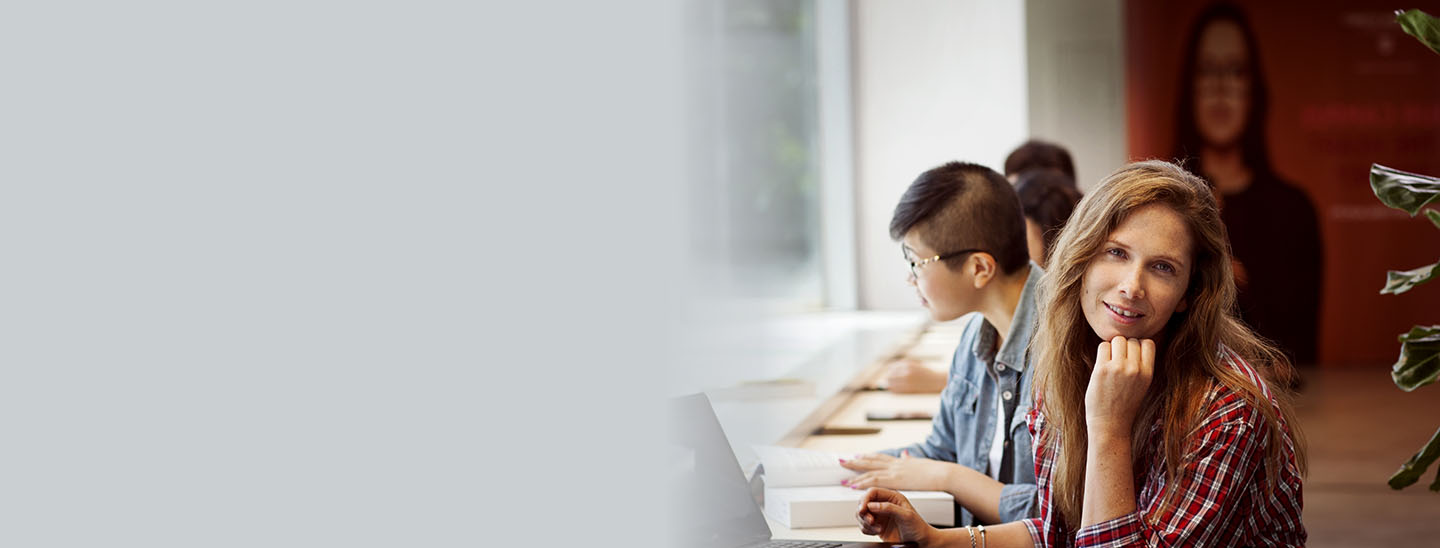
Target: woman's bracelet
{"points": [[982, 535], [970, 530]]}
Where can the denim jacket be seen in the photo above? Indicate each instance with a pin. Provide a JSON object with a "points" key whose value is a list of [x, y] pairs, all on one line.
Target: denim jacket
{"points": [[964, 428]]}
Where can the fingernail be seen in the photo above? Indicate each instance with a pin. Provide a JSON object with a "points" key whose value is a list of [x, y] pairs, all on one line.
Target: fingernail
{"points": [[842, 461], [844, 482]]}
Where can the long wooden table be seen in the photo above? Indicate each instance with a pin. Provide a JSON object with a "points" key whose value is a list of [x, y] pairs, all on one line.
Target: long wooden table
{"points": [[934, 347]]}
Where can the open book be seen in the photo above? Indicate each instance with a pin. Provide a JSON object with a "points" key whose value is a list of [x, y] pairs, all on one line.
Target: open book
{"points": [[802, 489]]}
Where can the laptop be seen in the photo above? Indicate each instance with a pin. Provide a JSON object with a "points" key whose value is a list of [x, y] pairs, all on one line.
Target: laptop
{"points": [[711, 500]]}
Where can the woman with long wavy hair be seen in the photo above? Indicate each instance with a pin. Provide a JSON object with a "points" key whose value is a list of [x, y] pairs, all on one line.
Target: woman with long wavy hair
{"points": [[1160, 419]]}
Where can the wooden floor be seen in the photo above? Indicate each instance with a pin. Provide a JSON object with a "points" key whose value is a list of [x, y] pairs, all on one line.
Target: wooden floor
{"points": [[1360, 428]]}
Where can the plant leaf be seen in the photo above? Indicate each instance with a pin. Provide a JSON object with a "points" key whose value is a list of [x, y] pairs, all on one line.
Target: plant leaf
{"points": [[1400, 281], [1435, 486], [1412, 469], [1403, 190], [1434, 217], [1419, 362], [1422, 26]]}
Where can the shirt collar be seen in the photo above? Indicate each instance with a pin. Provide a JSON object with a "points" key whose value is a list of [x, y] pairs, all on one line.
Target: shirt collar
{"points": [[1022, 327]]}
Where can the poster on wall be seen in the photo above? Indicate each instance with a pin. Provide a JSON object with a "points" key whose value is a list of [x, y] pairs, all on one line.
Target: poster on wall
{"points": [[1283, 107]]}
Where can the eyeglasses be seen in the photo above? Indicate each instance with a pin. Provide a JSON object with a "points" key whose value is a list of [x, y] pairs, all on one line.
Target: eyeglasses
{"points": [[1222, 77], [1222, 69], [915, 265]]}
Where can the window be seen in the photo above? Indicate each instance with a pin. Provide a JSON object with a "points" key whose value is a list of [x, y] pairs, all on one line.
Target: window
{"points": [[756, 206]]}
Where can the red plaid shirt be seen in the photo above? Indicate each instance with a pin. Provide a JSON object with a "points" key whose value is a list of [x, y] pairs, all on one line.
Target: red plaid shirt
{"points": [[1221, 499]]}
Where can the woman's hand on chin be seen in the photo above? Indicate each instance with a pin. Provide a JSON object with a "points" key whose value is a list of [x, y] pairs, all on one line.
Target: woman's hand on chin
{"points": [[1123, 368], [889, 515]]}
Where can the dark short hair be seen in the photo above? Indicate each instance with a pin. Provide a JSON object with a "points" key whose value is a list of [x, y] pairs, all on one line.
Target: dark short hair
{"points": [[962, 206], [1047, 197], [1039, 154]]}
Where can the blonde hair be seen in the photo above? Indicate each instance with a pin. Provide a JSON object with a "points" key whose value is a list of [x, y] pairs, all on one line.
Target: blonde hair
{"points": [[1187, 364]]}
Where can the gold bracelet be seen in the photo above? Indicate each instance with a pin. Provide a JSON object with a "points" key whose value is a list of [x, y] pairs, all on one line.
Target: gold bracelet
{"points": [[970, 530], [982, 535]]}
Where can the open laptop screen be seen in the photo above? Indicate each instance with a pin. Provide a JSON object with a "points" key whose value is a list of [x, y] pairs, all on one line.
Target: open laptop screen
{"points": [[712, 505]]}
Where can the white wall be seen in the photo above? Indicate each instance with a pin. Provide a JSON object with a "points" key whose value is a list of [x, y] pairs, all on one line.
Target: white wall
{"points": [[1077, 81], [834, 52], [934, 81]]}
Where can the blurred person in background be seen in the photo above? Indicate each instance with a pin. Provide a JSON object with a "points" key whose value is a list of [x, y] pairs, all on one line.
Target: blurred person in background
{"points": [[1037, 154], [1220, 135], [1047, 197]]}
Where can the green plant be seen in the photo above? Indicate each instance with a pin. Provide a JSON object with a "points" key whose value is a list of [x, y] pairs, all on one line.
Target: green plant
{"points": [[1419, 362]]}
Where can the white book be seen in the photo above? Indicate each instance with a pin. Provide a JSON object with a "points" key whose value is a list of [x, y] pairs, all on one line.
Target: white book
{"points": [[802, 489], [788, 467]]}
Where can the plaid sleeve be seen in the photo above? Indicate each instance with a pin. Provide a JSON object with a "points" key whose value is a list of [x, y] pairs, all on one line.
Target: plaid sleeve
{"points": [[1126, 530], [1033, 525], [1038, 527], [1224, 457]]}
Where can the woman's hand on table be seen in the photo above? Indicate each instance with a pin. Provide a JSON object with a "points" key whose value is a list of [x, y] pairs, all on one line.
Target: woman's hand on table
{"points": [[905, 472], [889, 515]]}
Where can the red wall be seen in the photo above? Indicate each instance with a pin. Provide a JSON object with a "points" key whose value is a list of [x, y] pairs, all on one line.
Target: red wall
{"points": [[1347, 89]]}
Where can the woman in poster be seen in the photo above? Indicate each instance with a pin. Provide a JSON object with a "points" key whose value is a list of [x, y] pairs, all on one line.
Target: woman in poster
{"points": [[1220, 134]]}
